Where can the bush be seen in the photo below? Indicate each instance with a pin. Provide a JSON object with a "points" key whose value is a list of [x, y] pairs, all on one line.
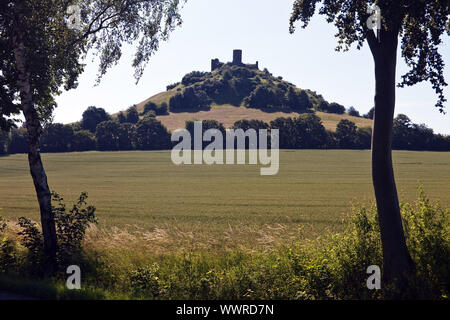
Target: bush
{"points": [[146, 281], [353, 112], [19, 141], [172, 86], [83, 140], [71, 227], [158, 110], [151, 135], [92, 116], [190, 99], [193, 77], [265, 97], [132, 115], [7, 250], [330, 267]]}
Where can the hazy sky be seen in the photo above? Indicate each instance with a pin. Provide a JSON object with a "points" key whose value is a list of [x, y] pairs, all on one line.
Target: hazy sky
{"points": [[213, 28]]}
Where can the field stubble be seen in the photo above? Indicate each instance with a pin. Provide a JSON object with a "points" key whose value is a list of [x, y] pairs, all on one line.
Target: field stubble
{"points": [[144, 201]]}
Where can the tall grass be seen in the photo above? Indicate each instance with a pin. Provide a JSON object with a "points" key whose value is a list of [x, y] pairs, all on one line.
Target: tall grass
{"points": [[333, 266]]}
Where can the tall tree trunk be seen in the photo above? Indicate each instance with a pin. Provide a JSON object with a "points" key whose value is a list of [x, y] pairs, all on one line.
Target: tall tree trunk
{"points": [[34, 158], [397, 263]]}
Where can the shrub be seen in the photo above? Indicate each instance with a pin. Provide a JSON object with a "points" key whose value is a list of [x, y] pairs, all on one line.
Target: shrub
{"points": [[151, 135], [193, 77], [172, 86], [158, 110], [19, 141], [7, 250], [353, 112], [71, 227], [132, 115], [190, 99], [146, 281], [92, 116], [82, 140]]}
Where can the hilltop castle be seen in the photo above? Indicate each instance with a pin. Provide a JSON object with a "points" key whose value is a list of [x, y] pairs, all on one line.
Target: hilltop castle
{"points": [[237, 61]]}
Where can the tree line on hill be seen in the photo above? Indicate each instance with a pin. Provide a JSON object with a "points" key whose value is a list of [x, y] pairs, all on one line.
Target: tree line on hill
{"points": [[133, 131], [252, 88]]}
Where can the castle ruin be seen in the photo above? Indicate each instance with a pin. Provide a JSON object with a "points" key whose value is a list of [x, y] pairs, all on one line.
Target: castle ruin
{"points": [[237, 61]]}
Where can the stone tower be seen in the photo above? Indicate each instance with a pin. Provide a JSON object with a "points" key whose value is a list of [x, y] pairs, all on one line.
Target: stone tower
{"points": [[237, 57]]}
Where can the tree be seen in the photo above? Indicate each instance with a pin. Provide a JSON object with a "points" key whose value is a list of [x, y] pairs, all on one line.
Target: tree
{"points": [[159, 110], [107, 135], [353, 112], [4, 141], [92, 116], [336, 108], [121, 117], [369, 115], [56, 138], [19, 141], [82, 140], [132, 115], [125, 136], [420, 25], [346, 134], [305, 102], [151, 135], [41, 52], [150, 106]]}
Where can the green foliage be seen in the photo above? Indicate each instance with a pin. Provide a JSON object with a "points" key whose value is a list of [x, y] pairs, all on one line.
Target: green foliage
{"points": [[370, 114], [71, 224], [190, 99], [331, 107], [250, 124], [112, 136], [107, 136], [427, 230], [303, 132], [193, 77], [57, 138], [145, 281], [162, 109], [4, 142], [420, 26], [71, 227], [132, 115], [353, 112], [346, 133], [240, 85], [172, 86], [121, 117], [151, 135], [92, 116], [7, 250], [18, 141], [265, 98], [83, 140]]}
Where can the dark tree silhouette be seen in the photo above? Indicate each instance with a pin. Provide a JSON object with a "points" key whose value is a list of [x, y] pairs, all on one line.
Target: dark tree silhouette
{"points": [[419, 25]]}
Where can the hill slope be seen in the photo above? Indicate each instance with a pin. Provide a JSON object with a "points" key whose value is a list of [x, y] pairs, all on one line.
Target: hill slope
{"points": [[231, 93]]}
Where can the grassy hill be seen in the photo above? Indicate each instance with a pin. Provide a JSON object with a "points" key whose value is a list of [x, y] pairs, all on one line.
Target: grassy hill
{"points": [[229, 90]]}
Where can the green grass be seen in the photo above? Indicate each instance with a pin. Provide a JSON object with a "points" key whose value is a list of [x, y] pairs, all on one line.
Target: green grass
{"points": [[218, 205]]}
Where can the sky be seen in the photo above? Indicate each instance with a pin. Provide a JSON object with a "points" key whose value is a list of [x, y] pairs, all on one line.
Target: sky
{"points": [[213, 28]]}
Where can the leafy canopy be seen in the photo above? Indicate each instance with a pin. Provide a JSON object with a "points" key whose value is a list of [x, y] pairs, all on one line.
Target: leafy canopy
{"points": [[419, 23], [54, 50]]}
